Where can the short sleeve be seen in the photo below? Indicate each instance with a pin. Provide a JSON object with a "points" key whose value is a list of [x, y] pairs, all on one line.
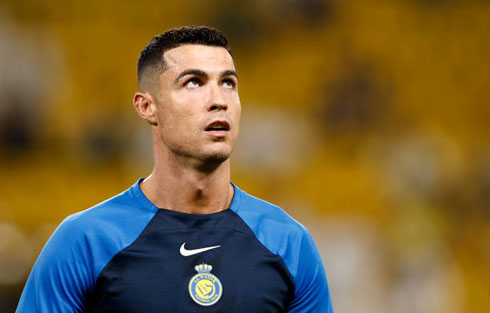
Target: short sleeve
{"points": [[60, 278], [64, 276], [311, 287]]}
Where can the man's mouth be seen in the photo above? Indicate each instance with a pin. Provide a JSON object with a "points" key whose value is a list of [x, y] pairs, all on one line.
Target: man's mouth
{"points": [[218, 128]]}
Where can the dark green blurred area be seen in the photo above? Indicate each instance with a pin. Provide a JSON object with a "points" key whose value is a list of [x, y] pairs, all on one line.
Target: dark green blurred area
{"points": [[367, 121]]}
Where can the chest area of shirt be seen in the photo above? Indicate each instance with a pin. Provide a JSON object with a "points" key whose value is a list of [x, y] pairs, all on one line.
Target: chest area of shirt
{"points": [[210, 269]]}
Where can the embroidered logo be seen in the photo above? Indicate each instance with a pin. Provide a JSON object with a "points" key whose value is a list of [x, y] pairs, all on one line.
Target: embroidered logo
{"points": [[205, 288]]}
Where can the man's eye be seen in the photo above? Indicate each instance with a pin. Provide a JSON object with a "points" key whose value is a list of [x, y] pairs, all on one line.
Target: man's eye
{"points": [[228, 83], [192, 83]]}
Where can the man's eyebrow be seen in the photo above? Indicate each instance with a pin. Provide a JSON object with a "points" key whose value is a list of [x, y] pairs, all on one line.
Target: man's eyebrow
{"points": [[191, 72], [229, 73]]}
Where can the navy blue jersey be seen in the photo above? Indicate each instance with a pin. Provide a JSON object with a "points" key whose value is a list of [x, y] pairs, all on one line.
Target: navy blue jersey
{"points": [[127, 255]]}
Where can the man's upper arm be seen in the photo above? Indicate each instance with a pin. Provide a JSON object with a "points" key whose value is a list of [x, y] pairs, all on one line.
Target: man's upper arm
{"points": [[60, 278], [311, 287]]}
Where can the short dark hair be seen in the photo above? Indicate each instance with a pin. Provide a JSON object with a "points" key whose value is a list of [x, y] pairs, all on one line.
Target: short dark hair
{"points": [[151, 57]]}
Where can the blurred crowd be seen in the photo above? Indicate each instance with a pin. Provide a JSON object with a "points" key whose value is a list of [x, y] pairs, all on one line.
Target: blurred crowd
{"points": [[368, 121]]}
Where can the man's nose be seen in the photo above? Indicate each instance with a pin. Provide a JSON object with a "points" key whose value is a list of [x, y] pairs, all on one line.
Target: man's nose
{"points": [[217, 100]]}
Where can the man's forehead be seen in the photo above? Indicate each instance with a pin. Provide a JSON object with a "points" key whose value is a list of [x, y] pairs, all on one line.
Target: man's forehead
{"points": [[198, 56]]}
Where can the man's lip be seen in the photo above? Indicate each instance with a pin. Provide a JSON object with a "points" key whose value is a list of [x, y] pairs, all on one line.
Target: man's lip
{"points": [[217, 133], [221, 123]]}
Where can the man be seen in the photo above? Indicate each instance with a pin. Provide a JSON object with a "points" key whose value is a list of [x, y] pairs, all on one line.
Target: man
{"points": [[185, 239]]}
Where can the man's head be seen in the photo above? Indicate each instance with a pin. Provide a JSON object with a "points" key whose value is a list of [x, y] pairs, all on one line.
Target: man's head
{"points": [[189, 94], [151, 62]]}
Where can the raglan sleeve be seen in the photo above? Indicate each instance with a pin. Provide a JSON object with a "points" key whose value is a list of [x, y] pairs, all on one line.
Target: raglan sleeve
{"points": [[311, 287], [61, 276]]}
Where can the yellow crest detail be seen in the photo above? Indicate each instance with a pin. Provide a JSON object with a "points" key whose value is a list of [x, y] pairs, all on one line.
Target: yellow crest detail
{"points": [[205, 288]]}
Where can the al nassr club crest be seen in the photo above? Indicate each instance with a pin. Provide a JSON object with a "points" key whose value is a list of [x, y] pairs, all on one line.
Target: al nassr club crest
{"points": [[205, 288]]}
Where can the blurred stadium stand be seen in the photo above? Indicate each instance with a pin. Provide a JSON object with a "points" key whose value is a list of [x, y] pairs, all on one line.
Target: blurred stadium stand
{"points": [[367, 121]]}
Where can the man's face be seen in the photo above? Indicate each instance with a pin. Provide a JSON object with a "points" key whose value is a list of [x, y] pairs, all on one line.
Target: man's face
{"points": [[198, 107]]}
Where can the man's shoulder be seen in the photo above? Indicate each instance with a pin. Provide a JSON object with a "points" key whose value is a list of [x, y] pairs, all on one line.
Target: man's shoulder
{"points": [[282, 235], [104, 212], [267, 219], [119, 219], [85, 242], [100, 231]]}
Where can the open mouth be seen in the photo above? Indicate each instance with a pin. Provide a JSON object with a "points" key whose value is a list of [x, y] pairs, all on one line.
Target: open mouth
{"points": [[218, 126], [218, 129]]}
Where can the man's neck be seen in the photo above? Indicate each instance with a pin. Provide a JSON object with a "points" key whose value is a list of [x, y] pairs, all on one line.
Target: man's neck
{"points": [[189, 190]]}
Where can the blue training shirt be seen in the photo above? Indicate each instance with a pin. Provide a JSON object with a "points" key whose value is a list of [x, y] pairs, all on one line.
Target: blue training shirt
{"points": [[127, 255]]}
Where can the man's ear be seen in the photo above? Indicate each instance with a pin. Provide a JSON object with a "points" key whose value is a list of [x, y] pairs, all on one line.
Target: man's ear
{"points": [[145, 105]]}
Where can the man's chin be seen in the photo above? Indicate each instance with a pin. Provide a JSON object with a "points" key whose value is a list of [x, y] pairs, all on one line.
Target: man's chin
{"points": [[217, 151], [216, 156], [211, 162]]}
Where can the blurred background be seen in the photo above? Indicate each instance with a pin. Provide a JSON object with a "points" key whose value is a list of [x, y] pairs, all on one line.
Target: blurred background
{"points": [[368, 121]]}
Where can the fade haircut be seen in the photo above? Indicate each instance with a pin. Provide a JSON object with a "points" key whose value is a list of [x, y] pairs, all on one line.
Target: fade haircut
{"points": [[151, 59]]}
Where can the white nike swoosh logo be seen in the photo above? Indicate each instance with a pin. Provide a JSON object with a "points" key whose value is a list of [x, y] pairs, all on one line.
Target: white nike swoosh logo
{"points": [[186, 252]]}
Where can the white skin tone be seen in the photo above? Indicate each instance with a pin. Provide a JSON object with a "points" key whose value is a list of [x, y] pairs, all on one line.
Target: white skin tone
{"points": [[199, 86]]}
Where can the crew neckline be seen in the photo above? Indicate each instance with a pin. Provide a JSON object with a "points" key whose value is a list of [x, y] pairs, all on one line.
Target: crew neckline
{"points": [[141, 197]]}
